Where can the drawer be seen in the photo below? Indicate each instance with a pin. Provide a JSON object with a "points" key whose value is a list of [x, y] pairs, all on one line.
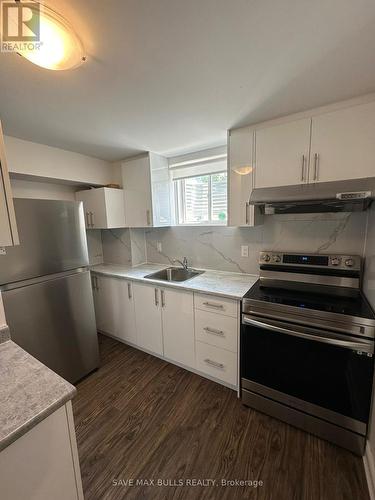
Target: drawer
{"points": [[216, 329], [216, 362], [216, 304]]}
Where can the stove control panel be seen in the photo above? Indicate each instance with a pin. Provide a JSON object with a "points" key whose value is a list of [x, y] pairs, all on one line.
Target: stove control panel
{"points": [[348, 262]]}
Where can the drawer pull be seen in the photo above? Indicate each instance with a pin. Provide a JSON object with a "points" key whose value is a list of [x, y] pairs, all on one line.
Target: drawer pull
{"points": [[216, 306], [214, 363], [214, 331]]}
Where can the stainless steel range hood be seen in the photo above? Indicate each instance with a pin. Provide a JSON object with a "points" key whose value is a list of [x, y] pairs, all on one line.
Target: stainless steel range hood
{"points": [[353, 195]]}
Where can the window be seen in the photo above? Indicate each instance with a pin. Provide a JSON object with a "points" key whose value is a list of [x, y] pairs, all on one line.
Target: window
{"points": [[202, 199], [200, 184]]}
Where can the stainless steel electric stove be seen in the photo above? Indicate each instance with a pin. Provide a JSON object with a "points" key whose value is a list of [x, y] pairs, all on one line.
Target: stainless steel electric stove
{"points": [[307, 345]]}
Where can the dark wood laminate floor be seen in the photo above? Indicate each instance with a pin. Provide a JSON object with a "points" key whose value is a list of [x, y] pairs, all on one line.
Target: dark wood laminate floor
{"points": [[139, 417]]}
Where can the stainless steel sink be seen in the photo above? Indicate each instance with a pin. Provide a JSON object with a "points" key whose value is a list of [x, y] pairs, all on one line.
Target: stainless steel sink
{"points": [[174, 274]]}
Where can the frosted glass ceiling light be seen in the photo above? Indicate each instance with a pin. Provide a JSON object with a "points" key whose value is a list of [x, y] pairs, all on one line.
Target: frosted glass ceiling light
{"points": [[60, 47]]}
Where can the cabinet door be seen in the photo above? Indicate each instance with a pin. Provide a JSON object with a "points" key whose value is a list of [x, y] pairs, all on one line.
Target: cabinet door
{"points": [[240, 156], [45, 459], [148, 317], [105, 296], [178, 326], [136, 179], [124, 312], [93, 207], [282, 154], [343, 144], [114, 208], [161, 191]]}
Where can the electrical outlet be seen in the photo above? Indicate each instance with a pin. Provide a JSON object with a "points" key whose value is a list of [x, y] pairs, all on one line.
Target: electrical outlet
{"points": [[3, 251], [159, 246], [244, 251]]}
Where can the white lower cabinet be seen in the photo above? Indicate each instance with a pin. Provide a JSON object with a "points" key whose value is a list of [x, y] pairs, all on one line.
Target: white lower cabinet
{"points": [[178, 326], [125, 328], [103, 291], [216, 362], [148, 317], [196, 330], [43, 463], [219, 305], [216, 329], [216, 335], [114, 307], [165, 322]]}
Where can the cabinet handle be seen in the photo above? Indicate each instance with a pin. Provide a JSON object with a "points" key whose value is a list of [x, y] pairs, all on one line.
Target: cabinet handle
{"points": [[303, 169], [247, 213], [214, 331], [316, 167], [216, 306], [162, 298], [156, 297], [214, 363], [87, 220], [96, 286], [129, 291], [92, 219], [148, 217]]}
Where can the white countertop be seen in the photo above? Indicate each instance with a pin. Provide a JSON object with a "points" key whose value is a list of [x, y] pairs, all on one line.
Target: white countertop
{"points": [[223, 283]]}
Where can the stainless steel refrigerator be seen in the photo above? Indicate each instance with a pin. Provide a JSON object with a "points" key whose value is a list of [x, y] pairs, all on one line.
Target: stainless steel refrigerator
{"points": [[46, 287]]}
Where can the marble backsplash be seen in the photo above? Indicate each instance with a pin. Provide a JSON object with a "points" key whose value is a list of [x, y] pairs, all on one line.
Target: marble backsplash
{"points": [[220, 247], [94, 245], [124, 246]]}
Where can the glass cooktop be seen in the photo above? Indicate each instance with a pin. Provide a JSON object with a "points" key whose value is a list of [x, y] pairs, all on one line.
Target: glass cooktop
{"points": [[350, 306]]}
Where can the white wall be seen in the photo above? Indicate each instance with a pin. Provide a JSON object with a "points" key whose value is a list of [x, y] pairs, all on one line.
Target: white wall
{"points": [[42, 190], [46, 162]]}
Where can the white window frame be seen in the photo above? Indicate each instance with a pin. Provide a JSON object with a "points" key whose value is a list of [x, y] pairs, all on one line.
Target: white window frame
{"points": [[180, 206]]}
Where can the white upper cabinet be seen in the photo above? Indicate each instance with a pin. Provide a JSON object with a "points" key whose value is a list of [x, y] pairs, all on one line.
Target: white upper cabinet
{"points": [[241, 178], [103, 207], [8, 227], [282, 153], [343, 144], [147, 191], [178, 326]]}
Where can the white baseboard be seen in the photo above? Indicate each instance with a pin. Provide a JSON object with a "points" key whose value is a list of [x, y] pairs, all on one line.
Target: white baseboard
{"points": [[369, 464]]}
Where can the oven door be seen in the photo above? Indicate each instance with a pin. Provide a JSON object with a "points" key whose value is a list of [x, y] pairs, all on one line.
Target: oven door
{"points": [[322, 373]]}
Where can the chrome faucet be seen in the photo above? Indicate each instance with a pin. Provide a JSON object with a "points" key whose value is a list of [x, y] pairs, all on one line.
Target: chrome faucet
{"points": [[184, 262]]}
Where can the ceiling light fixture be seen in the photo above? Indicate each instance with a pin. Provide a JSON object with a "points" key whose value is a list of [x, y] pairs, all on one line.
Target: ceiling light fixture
{"points": [[245, 170], [60, 47]]}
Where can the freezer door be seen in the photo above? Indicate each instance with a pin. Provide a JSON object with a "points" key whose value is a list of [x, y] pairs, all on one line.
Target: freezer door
{"points": [[52, 240], [54, 321]]}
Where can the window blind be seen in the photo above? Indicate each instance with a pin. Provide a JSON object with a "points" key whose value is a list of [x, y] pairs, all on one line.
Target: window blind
{"points": [[200, 163]]}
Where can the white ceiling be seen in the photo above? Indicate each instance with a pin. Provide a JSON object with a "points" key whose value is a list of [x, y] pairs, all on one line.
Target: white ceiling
{"points": [[171, 76]]}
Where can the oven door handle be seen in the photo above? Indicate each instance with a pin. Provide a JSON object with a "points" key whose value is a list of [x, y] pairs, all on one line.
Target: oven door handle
{"points": [[367, 347]]}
